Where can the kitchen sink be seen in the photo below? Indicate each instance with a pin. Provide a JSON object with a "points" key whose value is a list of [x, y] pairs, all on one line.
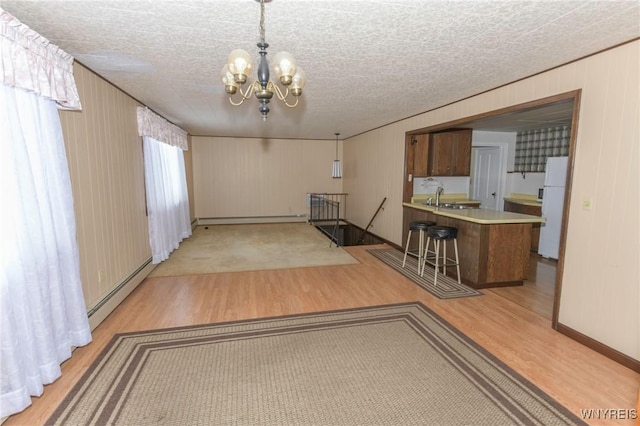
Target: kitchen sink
{"points": [[457, 206]]}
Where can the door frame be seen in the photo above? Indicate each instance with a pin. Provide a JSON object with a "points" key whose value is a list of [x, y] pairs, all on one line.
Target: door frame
{"points": [[573, 95], [502, 185]]}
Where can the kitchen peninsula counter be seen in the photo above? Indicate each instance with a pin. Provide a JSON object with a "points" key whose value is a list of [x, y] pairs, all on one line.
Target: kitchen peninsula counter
{"points": [[493, 245], [482, 216]]}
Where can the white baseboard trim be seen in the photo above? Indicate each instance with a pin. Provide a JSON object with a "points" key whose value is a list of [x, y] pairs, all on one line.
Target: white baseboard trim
{"points": [[252, 219], [104, 307]]}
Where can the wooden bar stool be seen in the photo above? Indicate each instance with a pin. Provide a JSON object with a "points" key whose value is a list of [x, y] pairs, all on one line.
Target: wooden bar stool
{"points": [[421, 226], [442, 234]]}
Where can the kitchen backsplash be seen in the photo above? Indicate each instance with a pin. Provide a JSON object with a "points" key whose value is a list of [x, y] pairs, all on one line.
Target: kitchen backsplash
{"points": [[528, 184], [451, 185]]}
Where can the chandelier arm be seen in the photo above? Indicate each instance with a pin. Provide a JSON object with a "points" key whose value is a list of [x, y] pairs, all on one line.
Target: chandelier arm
{"points": [[244, 95], [283, 97], [236, 103], [276, 88], [249, 92], [291, 105]]}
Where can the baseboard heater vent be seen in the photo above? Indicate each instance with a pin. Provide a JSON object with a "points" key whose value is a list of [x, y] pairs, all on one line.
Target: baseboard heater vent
{"points": [[251, 219], [112, 299]]}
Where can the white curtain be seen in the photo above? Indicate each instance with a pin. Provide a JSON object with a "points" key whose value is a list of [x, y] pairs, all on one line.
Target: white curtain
{"points": [[42, 308], [165, 182], [167, 197]]}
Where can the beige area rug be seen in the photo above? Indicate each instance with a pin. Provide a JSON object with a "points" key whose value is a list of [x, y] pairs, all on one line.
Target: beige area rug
{"points": [[447, 287], [387, 365], [228, 248]]}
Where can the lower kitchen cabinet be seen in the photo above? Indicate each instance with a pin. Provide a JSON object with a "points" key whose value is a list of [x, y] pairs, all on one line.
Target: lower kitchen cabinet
{"points": [[491, 254], [510, 206]]}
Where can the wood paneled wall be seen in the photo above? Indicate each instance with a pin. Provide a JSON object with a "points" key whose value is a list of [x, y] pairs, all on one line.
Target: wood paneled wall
{"points": [[600, 293], [104, 153], [253, 177], [188, 168], [249, 178]]}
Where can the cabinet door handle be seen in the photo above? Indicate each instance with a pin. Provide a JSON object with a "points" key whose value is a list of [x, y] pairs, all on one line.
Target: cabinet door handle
{"points": [[493, 194]]}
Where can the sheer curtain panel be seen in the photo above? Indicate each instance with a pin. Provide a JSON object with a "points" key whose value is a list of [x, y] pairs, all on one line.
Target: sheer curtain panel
{"points": [[42, 308], [166, 183], [167, 199]]}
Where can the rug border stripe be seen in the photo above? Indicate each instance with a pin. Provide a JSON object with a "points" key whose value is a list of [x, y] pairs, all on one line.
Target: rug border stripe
{"points": [[390, 257], [514, 377]]}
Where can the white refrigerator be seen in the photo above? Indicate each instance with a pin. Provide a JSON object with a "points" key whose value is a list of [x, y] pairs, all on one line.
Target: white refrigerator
{"points": [[555, 179]]}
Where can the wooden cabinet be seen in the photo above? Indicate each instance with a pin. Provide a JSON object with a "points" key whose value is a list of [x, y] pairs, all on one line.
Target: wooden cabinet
{"points": [[415, 165], [510, 206], [420, 153], [491, 255], [416, 151], [450, 153], [436, 154]]}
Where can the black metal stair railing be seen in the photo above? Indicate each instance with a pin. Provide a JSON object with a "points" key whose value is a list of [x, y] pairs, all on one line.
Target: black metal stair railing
{"points": [[326, 211]]}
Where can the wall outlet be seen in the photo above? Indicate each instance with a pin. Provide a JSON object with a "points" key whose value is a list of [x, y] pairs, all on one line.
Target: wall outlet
{"points": [[587, 204]]}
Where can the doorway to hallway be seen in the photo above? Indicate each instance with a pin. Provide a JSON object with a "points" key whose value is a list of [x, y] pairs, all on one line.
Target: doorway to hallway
{"points": [[486, 176]]}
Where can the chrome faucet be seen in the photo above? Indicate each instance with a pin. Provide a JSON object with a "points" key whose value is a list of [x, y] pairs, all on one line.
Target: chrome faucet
{"points": [[439, 191], [429, 201]]}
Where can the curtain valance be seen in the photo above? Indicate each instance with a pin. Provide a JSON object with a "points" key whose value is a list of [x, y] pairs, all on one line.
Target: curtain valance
{"points": [[152, 125], [30, 62]]}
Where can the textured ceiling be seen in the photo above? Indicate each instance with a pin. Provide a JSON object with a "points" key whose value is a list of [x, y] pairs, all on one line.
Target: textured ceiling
{"points": [[368, 62]]}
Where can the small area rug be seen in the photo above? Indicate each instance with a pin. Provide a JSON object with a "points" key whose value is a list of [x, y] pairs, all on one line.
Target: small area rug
{"points": [[386, 365], [251, 247], [447, 288]]}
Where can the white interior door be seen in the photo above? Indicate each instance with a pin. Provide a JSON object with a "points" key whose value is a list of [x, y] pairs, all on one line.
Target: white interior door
{"points": [[486, 177]]}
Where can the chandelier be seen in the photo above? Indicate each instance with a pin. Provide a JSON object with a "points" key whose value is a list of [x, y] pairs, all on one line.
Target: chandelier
{"points": [[239, 67]]}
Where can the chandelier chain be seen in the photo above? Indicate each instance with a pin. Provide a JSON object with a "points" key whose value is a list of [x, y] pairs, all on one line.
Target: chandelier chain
{"points": [[262, 38]]}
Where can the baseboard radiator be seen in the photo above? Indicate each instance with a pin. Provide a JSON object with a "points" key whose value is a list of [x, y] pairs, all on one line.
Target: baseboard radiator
{"points": [[251, 219], [110, 301]]}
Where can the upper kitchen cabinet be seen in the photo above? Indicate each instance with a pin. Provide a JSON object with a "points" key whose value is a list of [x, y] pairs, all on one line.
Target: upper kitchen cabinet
{"points": [[416, 150], [449, 153], [421, 150]]}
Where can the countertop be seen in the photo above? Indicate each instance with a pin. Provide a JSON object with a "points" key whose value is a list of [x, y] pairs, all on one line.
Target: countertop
{"points": [[481, 216], [523, 201], [445, 198]]}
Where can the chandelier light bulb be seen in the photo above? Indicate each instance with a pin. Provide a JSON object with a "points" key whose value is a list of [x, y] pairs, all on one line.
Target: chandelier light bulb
{"points": [[285, 67], [239, 64], [230, 85], [297, 82]]}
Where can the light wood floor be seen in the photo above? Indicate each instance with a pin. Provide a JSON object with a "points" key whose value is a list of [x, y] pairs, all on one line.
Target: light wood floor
{"points": [[576, 376], [538, 291]]}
